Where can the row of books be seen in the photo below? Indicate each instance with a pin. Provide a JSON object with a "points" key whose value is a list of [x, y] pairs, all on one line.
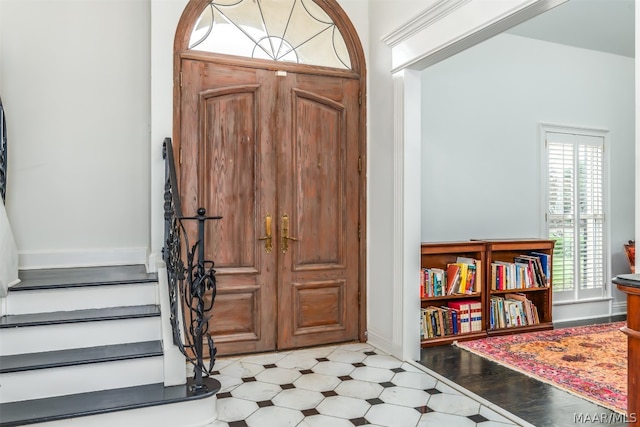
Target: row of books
{"points": [[526, 271], [457, 317], [462, 277], [512, 311]]}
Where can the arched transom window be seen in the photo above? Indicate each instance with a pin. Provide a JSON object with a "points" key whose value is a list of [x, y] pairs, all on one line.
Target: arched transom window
{"points": [[296, 31]]}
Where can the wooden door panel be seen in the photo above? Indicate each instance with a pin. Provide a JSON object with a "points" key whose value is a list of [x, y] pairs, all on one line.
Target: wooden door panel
{"points": [[318, 182], [319, 306], [230, 171], [318, 175], [227, 123], [237, 314]]}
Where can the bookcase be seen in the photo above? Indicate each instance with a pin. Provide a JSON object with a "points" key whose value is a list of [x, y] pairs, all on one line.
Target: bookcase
{"points": [[439, 256], [528, 294], [509, 251]]}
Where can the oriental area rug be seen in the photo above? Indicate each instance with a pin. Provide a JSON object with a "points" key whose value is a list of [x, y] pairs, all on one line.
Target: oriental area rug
{"points": [[589, 361]]}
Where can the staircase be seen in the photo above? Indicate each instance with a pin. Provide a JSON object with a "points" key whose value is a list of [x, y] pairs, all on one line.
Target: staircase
{"points": [[86, 346]]}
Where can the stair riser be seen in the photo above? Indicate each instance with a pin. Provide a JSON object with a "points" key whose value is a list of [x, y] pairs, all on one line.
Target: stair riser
{"points": [[39, 383], [80, 298], [35, 339], [193, 413]]}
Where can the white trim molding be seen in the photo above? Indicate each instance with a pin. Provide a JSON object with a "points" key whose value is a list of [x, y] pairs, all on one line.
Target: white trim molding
{"points": [[464, 26], [427, 17]]}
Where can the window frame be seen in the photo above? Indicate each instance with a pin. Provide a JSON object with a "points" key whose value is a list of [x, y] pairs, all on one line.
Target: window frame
{"points": [[577, 295]]}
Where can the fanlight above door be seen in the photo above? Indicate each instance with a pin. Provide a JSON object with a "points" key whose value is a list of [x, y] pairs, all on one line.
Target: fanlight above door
{"points": [[296, 31]]}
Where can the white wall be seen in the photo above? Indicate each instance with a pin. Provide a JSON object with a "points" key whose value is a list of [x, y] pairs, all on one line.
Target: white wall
{"points": [[75, 83], [384, 17], [481, 175]]}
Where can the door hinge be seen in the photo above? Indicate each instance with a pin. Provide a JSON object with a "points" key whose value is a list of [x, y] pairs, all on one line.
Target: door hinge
{"points": [[180, 156], [180, 78], [359, 232], [359, 164], [360, 98]]}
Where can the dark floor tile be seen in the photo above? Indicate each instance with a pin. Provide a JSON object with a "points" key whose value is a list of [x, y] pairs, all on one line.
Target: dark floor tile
{"points": [[423, 409], [329, 393], [374, 401], [310, 412], [359, 421], [477, 418]]}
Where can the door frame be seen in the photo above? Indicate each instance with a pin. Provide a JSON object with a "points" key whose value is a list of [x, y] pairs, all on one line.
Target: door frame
{"points": [[181, 51]]}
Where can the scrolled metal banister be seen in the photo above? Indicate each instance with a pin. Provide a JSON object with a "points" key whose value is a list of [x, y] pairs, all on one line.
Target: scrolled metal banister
{"points": [[190, 277], [3, 153]]}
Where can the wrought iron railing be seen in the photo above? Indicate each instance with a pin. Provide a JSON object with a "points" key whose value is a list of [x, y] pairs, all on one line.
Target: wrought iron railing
{"points": [[190, 276], [3, 153]]}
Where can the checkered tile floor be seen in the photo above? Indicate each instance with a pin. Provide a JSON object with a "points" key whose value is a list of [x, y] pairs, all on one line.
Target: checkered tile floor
{"points": [[345, 385]]}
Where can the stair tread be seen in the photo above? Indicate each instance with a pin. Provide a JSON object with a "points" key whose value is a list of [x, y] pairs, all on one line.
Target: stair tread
{"points": [[97, 402], [52, 278], [79, 356], [77, 316]]}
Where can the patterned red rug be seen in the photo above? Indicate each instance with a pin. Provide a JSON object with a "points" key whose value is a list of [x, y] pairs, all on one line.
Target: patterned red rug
{"points": [[589, 361]]}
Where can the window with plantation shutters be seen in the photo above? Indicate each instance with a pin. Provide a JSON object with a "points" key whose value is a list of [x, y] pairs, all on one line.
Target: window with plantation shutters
{"points": [[575, 204]]}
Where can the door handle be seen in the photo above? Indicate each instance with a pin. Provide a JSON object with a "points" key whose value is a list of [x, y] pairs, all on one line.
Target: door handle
{"points": [[285, 234], [268, 242]]}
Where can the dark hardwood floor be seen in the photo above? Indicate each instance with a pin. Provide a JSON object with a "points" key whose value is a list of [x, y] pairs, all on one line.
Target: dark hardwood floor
{"points": [[534, 401]]}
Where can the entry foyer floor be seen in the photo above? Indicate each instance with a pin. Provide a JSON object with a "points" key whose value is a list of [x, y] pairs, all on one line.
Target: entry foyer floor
{"points": [[345, 385]]}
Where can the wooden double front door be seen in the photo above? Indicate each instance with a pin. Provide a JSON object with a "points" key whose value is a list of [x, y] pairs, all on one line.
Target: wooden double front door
{"points": [[276, 154]]}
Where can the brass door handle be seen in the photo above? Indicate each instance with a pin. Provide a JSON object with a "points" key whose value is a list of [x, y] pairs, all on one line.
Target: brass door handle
{"points": [[268, 242], [285, 234]]}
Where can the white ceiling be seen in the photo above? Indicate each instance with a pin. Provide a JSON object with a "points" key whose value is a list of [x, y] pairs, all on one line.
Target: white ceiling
{"points": [[604, 25]]}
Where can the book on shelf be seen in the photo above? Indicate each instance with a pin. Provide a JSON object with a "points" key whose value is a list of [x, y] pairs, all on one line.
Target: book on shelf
{"points": [[470, 314], [439, 322], [526, 271], [512, 310], [545, 264]]}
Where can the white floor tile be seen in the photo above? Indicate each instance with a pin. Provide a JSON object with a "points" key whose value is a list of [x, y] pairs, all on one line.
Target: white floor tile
{"points": [[297, 398], [382, 361], [242, 369], [333, 368], [256, 391], [346, 356], [375, 375], [358, 347], [393, 415], [278, 376], [227, 383], [297, 361], [438, 419], [317, 382], [415, 380], [359, 389], [455, 405], [404, 396], [324, 421], [343, 407], [233, 409], [265, 358], [274, 416]]}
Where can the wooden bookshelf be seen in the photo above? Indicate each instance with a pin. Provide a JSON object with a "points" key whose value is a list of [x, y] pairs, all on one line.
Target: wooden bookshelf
{"points": [[506, 251], [439, 255]]}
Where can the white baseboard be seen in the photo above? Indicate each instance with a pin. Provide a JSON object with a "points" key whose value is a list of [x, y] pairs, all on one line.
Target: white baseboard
{"points": [[377, 340], [30, 260], [619, 308]]}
